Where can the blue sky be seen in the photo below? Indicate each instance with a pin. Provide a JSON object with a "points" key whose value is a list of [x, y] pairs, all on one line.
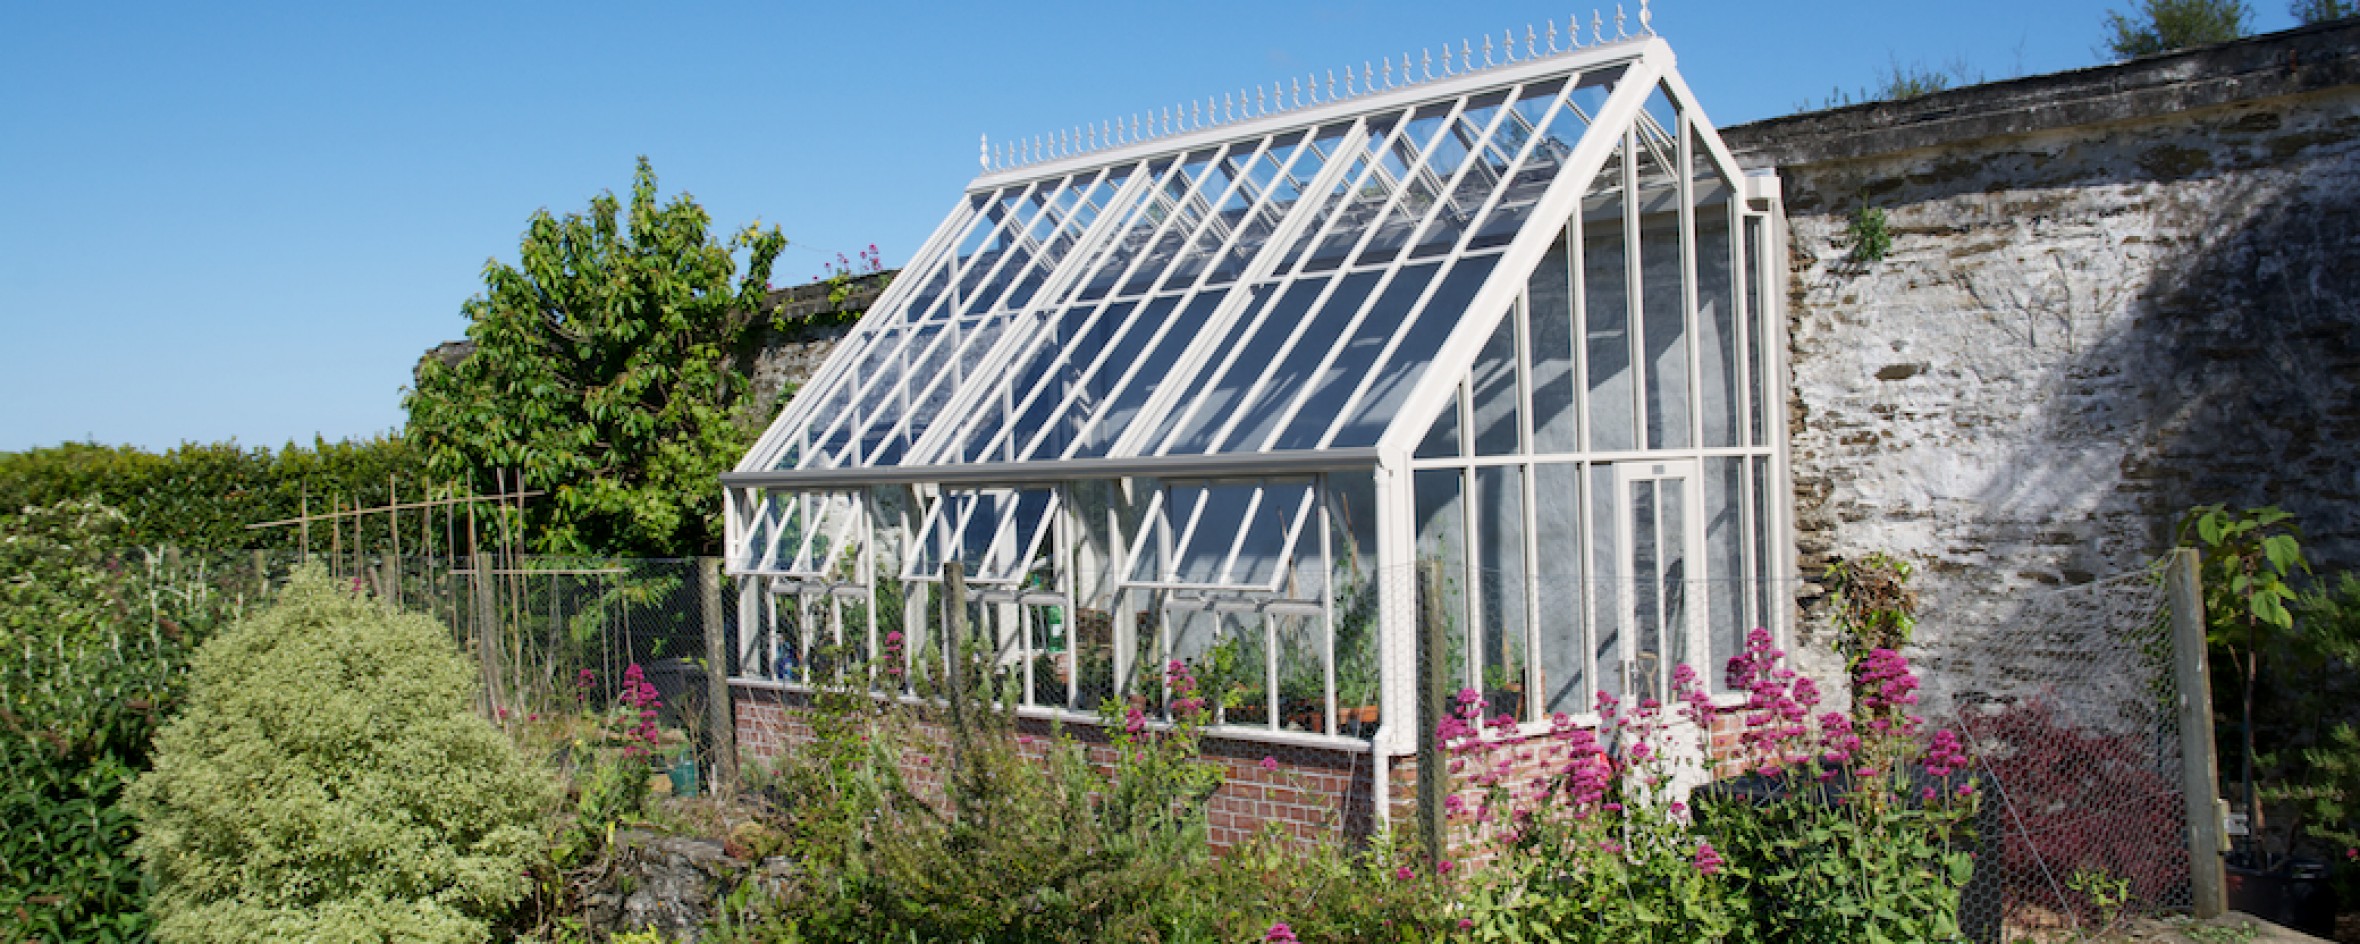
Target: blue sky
{"points": [[246, 221]]}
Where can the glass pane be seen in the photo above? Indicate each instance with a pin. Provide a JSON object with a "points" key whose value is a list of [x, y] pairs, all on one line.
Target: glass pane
{"points": [[1388, 174], [1677, 595], [1496, 135], [1605, 295], [1313, 340], [1353, 354], [1724, 552], [1549, 322], [1102, 352], [1389, 385], [1183, 202], [1557, 497], [1244, 180], [1193, 391], [1606, 584], [1664, 333], [1758, 326], [1448, 153], [1500, 577], [1302, 673], [1282, 194], [1265, 541], [1716, 300], [1769, 593], [1352, 523], [1497, 415], [1151, 209], [1220, 403], [1152, 367], [1442, 542], [1442, 439], [1379, 129], [1647, 586]]}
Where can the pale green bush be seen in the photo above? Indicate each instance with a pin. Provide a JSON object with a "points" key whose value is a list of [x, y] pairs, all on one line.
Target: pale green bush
{"points": [[330, 781]]}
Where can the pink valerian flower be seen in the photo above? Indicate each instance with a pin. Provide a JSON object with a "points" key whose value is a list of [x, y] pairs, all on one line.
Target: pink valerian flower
{"points": [[1279, 934], [1944, 754], [1443, 867], [1134, 721], [1708, 861], [1269, 762], [894, 641], [1404, 873], [1885, 685]]}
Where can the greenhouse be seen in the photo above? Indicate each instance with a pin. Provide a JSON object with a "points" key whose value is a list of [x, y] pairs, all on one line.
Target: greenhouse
{"points": [[1229, 384]]}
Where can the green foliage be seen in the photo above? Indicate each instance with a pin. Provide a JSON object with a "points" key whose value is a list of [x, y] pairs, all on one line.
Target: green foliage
{"points": [[1870, 605], [606, 371], [201, 497], [1868, 236], [2159, 26], [329, 779], [1900, 82], [2322, 11], [93, 649]]}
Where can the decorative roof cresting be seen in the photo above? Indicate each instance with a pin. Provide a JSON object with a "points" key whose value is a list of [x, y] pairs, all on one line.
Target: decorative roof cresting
{"points": [[1372, 76]]}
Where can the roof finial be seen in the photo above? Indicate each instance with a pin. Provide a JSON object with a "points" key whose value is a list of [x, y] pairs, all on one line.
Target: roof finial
{"points": [[1646, 24], [1466, 56], [1331, 93], [1407, 64], [986, 157], [1428, 66], [1388, 72], [1531, 49], [1228, 107], [1487, 63], [1619, 33], [1508, 45], [1298, 93], [1597, 27], [1552, 37]]}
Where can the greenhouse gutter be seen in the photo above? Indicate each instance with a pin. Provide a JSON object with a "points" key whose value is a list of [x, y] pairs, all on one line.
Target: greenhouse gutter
{"points": [[1067, 470]]}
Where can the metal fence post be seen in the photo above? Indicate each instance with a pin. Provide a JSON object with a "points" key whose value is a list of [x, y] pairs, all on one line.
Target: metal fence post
{"points": [[1432, 682], [721, 719], [2199, 764]]}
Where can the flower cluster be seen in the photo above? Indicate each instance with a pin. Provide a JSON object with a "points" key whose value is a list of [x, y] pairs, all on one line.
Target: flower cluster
{"points": [[640, 702], [894, 641], [1187, 704]]}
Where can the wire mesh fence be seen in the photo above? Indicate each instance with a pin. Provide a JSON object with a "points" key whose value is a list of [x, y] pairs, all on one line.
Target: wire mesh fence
{"points": [[2070, 710]]}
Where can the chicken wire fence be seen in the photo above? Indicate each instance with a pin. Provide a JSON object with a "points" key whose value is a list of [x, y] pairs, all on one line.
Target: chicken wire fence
{"points": [[2070, 709]]}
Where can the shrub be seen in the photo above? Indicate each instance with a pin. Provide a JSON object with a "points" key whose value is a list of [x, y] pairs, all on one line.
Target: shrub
{"points": [[94, 648], [330, 780]]}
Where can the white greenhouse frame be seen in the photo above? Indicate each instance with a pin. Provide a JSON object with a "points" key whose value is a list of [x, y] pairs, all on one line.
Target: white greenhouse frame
{"points": [[1236, 381]]}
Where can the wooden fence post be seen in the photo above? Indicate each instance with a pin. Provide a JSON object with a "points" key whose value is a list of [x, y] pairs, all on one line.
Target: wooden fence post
{"points": [[2199, 761], [721, 718], [1433, 699]]}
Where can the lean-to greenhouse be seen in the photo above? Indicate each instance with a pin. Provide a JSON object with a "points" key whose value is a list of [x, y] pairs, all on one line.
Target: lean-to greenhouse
{"points": [[1504, 326]]}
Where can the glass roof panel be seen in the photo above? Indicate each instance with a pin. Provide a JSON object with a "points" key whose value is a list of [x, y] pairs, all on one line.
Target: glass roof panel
{"points": [[995, 534], [1271, 287]]}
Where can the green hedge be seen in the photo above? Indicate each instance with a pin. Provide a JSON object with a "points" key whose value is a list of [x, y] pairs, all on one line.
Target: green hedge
{"points": [[201, 497]]}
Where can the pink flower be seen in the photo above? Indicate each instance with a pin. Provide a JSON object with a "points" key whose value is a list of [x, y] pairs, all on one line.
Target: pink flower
{"points": [[1466, 924], [1443, 867], [1404, 873], [1269, 762], [1279, 934], [1134, 721], [1707, 861]]}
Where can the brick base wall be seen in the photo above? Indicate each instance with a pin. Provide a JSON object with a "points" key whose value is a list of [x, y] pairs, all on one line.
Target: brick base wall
{"points": [[1306, 792]]}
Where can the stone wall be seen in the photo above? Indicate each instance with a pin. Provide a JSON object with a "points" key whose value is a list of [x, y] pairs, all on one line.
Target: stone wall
{"points": [[2112, 294]]}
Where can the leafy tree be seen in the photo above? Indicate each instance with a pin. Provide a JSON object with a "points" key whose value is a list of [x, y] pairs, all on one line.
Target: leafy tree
{"points": [[2321, 11], [604, 371], [2155, 26]]}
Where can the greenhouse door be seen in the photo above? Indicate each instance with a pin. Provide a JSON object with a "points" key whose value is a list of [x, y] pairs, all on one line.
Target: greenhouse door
{"points": [[1659, 544]]}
